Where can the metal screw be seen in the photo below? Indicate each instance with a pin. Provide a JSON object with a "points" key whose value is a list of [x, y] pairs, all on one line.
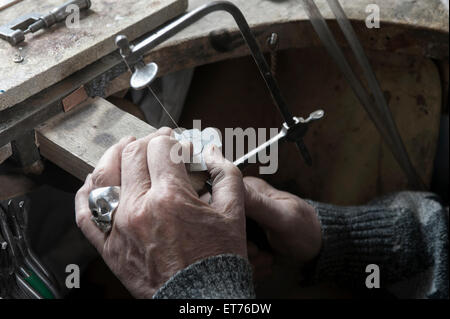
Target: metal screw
{"points": [[314, 116], [273, 41], [18, 58]]}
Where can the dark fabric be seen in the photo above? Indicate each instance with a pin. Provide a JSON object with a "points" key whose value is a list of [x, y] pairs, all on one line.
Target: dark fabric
{"points": [[405, 234], [53, 234], [224, 276]]}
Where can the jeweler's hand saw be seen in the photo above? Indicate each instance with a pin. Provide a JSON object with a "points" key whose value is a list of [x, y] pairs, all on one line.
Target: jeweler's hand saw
{"points": [[294, 128]]}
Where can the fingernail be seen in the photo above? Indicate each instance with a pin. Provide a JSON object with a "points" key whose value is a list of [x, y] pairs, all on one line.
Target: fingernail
{"points": [[165, 131]]}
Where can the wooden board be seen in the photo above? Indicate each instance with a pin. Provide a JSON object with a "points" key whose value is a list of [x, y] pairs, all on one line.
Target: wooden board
{"points": [[413, 28], [418, 28], [75, 141], [52, 55]]}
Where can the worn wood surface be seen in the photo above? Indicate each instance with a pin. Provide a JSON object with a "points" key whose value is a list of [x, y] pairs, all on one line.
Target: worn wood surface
{"points": [[351, 165], [410, 27], [75, 141], [192, 47], [53, 54]]}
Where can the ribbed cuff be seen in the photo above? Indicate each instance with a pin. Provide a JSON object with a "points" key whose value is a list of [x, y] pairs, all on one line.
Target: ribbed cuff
{"points": [[355, 237], [219, 277]]}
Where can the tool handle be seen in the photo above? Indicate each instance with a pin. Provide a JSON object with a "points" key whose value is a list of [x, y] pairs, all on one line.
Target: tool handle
{"points": [[60, 14]]}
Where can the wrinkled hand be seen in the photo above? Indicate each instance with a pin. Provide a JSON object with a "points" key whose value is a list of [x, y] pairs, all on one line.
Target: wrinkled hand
{"points": [[291, 224], [161, 226]]}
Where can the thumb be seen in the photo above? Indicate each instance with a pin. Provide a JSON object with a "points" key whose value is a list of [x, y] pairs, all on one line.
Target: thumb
{"points": [[227, 184], [258, 206]]}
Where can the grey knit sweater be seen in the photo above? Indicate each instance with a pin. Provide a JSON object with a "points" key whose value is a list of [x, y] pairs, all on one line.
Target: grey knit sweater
{"points": [[405, 235]]}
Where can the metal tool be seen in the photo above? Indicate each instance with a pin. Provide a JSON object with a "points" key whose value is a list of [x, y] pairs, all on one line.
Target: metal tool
{"points": [[287, 133], [377, 110], [290, 134], [21, 274], [15, 31], [19, 223], [144, 74]]}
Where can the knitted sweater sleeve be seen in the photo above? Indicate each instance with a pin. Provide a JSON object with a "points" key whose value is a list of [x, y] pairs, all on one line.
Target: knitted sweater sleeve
{"points": [[405, 235], [218, 277]]}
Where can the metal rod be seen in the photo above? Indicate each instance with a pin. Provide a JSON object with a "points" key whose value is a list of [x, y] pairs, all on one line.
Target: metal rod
{"points": [[374, 85], [241, 162], [325, 34], [26, 288]]}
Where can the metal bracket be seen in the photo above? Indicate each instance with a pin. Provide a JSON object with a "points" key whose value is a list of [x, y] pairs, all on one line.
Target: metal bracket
{"points": [[13, 32]]}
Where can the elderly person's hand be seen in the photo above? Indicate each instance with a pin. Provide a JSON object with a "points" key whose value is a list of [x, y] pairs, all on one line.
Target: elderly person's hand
{"points": [[161, 226], [291, 224]]}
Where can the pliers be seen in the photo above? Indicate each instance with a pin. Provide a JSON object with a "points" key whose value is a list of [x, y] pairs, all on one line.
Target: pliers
{"points": [[30, 277]]}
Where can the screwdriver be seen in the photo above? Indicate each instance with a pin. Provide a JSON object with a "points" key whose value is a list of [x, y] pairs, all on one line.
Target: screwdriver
{"points": [[57, 15]]}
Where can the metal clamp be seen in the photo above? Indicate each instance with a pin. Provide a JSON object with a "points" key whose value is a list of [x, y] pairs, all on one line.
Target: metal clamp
{"points": [[15, 31]]}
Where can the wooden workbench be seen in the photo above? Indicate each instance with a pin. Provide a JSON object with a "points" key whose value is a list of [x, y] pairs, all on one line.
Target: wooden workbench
{"points": [[411, 34], [54, 54], [409, 27]]}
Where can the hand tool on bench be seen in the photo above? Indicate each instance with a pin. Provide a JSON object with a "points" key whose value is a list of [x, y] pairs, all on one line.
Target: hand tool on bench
{"points": [[15, 31]]}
